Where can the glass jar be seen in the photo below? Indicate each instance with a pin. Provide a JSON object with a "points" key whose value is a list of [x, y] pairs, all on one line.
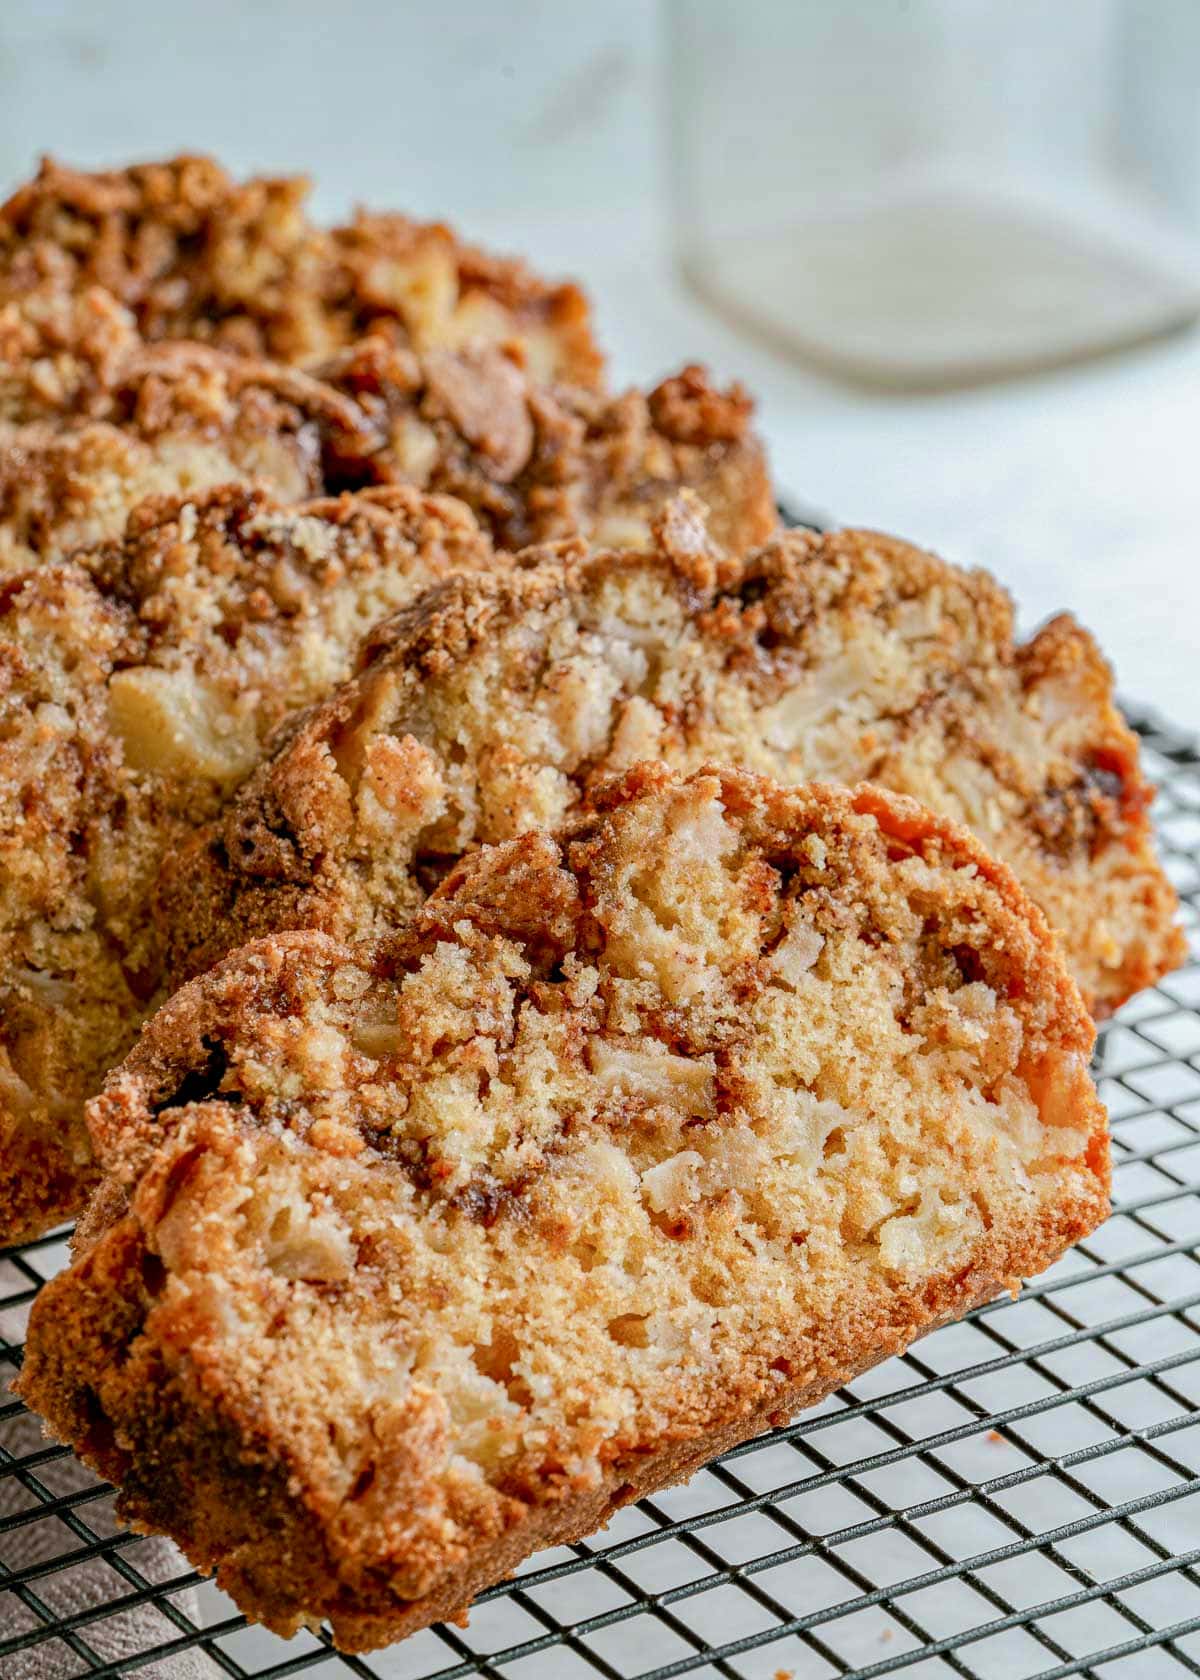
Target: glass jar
{"points": [[920, 193]]}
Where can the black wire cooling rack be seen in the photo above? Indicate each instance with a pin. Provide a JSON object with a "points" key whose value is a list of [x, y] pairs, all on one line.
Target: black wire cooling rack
{"points": [[1017, 1496]]}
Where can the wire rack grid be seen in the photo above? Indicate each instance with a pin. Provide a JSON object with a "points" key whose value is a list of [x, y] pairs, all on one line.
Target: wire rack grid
{"points": [[1018, 1496]]}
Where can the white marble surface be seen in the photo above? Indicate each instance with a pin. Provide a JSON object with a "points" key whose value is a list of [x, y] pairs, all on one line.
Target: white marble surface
{"points": [[530, 107]]}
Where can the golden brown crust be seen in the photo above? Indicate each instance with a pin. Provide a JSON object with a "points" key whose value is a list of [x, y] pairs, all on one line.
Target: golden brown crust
{"points": [[137, 685], [413, 1257], [194, 254], [495, 705]]}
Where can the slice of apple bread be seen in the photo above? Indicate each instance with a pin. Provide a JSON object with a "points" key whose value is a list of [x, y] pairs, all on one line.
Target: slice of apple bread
{"points": [[539, 462], [137, 686], [494, 705], [93, 419], [195, 254], [415, 1255]]}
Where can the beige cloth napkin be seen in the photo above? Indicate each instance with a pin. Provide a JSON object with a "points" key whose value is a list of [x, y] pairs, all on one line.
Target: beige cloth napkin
{"points": [[82, 1585]]}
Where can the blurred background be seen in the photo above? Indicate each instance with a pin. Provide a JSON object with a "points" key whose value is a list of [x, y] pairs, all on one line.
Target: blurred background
{"points": [[952, 246]]}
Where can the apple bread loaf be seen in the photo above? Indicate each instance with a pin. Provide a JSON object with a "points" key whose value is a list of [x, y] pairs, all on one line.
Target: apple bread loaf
{"points": [[414, 1255], [539, 462]]}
